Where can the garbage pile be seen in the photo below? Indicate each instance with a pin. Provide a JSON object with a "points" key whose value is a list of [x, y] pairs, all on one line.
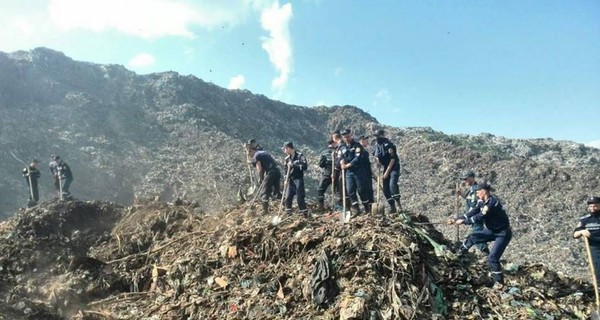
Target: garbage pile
{"points": [[98, 260]]}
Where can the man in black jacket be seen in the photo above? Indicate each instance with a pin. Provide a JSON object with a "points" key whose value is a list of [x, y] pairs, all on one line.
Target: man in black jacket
{"points": [[589, 227], [32, 174], [326, 165], [296, 164]]}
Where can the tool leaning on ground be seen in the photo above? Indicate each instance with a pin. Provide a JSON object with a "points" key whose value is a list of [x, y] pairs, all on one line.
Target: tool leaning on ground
{"points": [[332, 182], [252, 187], [595, 315], [260, 187], [345, 214], [28, 173], [457, 240], [377, 207]]}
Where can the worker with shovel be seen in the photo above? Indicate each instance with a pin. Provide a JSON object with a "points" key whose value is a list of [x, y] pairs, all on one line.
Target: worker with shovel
{"points": [[368, 174], [386, 154], [268, 175], [32, 174], [296, 164], [470, 196], [54, 172], [497, 229], [351, 162], [326, 165], [66, 178], [589, 229]]}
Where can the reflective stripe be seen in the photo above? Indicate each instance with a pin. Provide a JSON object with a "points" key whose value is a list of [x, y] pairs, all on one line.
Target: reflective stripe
{"points": [[497, 272]]}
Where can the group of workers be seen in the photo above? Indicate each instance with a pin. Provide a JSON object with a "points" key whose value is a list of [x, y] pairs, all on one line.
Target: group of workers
{"points": [[346, 167], [61, 173]]}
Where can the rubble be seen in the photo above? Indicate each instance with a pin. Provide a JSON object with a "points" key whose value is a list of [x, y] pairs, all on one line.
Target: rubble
{"points": [[98, 260]]}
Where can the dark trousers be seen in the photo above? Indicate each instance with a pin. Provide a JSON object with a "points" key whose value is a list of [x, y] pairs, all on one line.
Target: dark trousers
{"points": [[35, 191], [271, 185], [476, 227], [64, 185], [324, 183], [295, 187], [391, 190], [595, 251], [368, 187], [501, 240], [355, 187]]}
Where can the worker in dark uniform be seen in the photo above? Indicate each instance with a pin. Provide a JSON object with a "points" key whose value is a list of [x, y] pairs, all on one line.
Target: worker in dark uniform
{"points": [[296, 162], [352, 164], [66, 177], [326, 165], [336, 177], [589, 227], [386, 154], [32, 174], [470, 196], [54, 172], [268, 175], [497, 229], [367, 171]]}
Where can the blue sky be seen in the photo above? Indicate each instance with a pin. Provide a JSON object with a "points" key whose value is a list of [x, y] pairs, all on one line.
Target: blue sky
{"points": [[520, 69]]}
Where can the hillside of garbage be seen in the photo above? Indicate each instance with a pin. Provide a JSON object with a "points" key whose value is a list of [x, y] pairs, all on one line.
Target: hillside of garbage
{"points": [[156, 260]]}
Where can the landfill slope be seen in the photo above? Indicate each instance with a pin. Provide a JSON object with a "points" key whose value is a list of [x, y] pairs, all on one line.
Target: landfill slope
{"points": [[154, 260]]}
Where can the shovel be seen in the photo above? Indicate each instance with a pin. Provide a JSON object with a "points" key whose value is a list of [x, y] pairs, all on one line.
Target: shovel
{"points": [[345, 214], [377, 208], [285, 185], [252, 187], [457, 212], [251, 207], [332, 182], [595, 315], [28, 174]]}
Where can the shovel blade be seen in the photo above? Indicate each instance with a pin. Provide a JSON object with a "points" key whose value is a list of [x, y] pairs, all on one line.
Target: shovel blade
{"points": [[251, 190], [377, 209], [595, 315]]}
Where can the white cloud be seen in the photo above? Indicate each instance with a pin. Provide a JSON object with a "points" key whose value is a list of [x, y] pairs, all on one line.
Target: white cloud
{"points": [[275, 19], [593, 144], [145, 18], [382, 97], [237, 82], [141, 60]]}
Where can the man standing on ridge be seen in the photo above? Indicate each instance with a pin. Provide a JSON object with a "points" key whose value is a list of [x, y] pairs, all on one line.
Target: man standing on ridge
{"points": [[326, 165], [268, 175], [54, 172], [66, 177], [336, 176], [589, 227], [470, 197], [352, 164], [497, 229], [296, 164], [367, 173], [386, 154], [32, 174]]}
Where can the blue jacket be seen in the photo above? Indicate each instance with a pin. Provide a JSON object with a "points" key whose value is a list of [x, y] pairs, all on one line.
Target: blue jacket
{"points": [[351, 153], [591, 222], [299, 165], [266, 161], [385, 151], [490, 212], [325, 162], [471, 197]]}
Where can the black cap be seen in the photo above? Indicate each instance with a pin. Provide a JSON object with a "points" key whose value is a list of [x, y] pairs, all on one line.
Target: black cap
{"points": [[593, 200], [345, 132], [56, 157], [484, 186], [467, 174], [35, 161], [288, 144], [379, 133], [362, 137], [336, 132]]}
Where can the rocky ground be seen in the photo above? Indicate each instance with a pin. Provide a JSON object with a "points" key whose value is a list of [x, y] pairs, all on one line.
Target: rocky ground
{"points": [[154, 260]]}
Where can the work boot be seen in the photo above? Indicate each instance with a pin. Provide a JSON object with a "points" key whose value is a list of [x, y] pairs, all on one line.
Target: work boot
{"points": [[367, 207], [355, 209], [393, 208], [265, 208], [398, 204]]}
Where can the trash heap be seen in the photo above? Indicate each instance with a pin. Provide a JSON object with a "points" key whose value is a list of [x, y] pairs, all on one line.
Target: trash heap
{"points": [[98, 260]]}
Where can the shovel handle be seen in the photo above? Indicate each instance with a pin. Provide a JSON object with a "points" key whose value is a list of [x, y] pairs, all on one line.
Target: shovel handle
{"points": [[285, 186], [593, 271]]}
